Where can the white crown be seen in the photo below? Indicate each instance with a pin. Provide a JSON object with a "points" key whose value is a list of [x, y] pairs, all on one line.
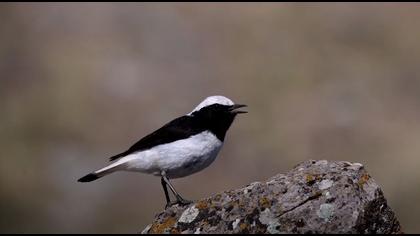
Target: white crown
{"points": [[213, 100]]}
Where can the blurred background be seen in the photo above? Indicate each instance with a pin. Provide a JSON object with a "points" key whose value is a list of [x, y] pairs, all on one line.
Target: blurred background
{"points": [[80, 82]]}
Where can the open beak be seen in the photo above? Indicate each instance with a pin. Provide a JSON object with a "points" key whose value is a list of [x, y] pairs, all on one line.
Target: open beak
{"points": [[237, 106]]}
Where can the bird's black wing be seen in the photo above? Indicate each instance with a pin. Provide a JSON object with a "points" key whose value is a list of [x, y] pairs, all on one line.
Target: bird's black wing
{"points": [[180, 128]]}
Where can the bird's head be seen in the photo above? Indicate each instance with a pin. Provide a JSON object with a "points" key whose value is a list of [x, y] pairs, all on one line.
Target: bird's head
{"points": [[217, 114], [218, 105]]}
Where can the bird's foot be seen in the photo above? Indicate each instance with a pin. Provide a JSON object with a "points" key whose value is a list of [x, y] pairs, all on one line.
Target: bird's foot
{"points": [[179, 201], [184, 202]]}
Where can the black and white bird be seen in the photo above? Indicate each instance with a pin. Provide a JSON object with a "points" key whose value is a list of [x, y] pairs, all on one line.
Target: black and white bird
{"points": [[182, 147]]}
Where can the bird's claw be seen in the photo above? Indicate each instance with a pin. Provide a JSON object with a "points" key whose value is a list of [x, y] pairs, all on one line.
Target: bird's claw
{"points": [[184, 202], [179, 201]]}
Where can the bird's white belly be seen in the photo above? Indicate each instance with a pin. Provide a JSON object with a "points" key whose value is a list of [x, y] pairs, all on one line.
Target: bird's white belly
{"points": [[178, 159]]}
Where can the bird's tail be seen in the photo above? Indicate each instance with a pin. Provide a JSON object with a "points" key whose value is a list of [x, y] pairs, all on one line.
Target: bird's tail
{"points": [[89, 177], [99, 173]]}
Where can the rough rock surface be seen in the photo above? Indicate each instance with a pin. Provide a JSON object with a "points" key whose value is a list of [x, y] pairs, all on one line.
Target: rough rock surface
{"points": [[314, 197]]}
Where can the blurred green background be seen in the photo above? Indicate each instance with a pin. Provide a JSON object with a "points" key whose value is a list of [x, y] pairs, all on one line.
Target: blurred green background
{"points": [[80, 82]]}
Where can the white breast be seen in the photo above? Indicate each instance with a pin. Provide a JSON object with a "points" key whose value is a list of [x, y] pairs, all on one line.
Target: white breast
{"points": [[178, 159]]}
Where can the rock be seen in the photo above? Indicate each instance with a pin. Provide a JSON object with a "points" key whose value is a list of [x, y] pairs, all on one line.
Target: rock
{"points": [[314, 197]]}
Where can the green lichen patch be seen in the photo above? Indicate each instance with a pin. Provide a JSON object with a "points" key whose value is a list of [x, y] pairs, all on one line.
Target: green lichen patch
{"points": [[264, 202], [362, 181], [326, 211], [312, 178]]}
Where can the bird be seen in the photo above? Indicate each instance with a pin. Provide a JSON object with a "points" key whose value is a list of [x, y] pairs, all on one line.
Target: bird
{"points": [[182, 147]]}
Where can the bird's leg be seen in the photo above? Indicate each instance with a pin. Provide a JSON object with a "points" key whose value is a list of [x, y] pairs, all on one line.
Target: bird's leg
{"points": [[179, 200], [168, 199]]}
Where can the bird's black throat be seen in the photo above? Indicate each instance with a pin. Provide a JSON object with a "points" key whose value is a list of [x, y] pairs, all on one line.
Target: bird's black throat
{"points": [[215, 118]]}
